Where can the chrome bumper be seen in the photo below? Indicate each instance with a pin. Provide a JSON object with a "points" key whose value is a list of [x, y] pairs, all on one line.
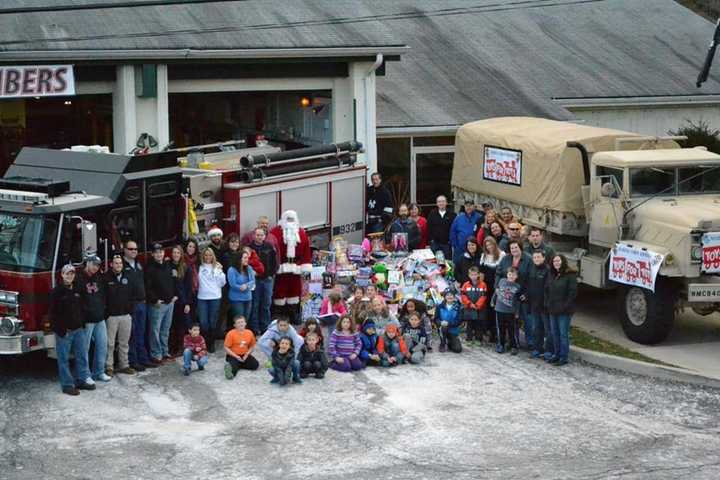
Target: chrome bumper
{"points": [[26, 342]]}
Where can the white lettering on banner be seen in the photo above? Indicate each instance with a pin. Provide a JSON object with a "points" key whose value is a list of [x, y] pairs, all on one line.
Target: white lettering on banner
{"points": [[37, 81], [502, 165], [634, 266], [711, 252]]}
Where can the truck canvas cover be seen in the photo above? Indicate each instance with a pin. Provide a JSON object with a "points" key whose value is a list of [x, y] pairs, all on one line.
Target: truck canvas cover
{"points": [[526, 160]]}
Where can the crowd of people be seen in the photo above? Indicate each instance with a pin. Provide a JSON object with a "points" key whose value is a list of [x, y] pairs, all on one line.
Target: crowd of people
{"points": [[176, 306]]}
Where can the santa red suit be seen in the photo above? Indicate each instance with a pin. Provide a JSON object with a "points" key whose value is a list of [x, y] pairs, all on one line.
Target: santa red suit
{"points": [[295, 259]]}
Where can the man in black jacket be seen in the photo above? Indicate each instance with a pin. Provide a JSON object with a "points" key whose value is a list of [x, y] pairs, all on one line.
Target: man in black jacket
{"points": [[537, 317], [262, 296], [119, 306], [92, 289], [438, 223], [379, 205], [160, 297], [66, 320], [138, 353], [405, 224]]}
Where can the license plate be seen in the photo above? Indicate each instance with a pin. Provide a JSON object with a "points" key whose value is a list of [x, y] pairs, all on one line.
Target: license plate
{"points": [[703, 292]]}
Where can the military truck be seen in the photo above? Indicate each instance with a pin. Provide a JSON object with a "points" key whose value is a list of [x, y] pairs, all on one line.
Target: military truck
{"points": [[633, 213]]}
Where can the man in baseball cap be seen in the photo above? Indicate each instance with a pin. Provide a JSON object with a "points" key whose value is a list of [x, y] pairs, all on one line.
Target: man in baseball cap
{"points": [[94, 293]]}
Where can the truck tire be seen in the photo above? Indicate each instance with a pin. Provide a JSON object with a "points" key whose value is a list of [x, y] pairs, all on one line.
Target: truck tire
{"points": [[647, 317]]}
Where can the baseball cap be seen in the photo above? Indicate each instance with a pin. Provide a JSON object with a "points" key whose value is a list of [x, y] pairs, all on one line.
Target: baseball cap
{"points": [[156, 247], [93, 259], [67, 268]]}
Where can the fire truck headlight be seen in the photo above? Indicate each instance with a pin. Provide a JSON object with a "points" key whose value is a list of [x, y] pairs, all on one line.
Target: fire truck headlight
{"points": [[696, 253], [10, 326], [3, 297], [11, 297]]}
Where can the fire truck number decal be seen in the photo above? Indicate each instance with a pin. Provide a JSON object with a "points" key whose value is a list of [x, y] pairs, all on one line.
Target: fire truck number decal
{"points": [[347, 228], [502, 165], [711, 252], [634, 266]]}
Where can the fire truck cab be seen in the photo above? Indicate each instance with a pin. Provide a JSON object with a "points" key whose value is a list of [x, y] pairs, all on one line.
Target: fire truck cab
{"points": [[56, 207]]}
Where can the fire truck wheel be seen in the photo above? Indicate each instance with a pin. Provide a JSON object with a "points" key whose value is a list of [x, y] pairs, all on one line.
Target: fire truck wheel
{"points": [[647, 317]]}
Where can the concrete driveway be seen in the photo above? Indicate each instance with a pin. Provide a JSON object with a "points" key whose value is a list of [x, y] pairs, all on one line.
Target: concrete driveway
{"points": [[694, 343], [469, 416]]}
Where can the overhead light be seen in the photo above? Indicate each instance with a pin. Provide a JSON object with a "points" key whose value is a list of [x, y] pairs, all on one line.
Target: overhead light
{"points": [[305, 102], [68, 102]]}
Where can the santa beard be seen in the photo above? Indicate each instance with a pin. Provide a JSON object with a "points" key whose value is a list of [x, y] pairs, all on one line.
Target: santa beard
{"points": [[291, 237]]}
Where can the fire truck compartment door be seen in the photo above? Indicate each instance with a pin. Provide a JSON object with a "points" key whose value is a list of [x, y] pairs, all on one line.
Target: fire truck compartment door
{"points": [[254, 206], [310, 202], [348, 208]]}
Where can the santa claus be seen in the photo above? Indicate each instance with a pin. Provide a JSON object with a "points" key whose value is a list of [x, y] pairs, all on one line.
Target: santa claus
{"points": [[295, 258]]}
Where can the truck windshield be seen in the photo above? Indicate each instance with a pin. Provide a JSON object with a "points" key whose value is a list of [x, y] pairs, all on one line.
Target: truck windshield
{"points": [[27, 242], [673, 181], [651, 181], [703, 179]]}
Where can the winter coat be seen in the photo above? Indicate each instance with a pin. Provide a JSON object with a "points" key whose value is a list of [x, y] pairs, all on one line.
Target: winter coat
{"points": [[272, 335], [450, 314], [507, 262], [318, 355], [423, 227], [408, 226], [544, 247], [236, 279], [439, 226], [183, 286], [283, 361], [467, 261], [268, 256], [415, 336], [136, 276], [462, 228], [120, 293], [384, 341], [159, 282], [66, 309], [369, 344], [379, 203], [535, 289], [93, 291], [473, 297], [560, 293]]}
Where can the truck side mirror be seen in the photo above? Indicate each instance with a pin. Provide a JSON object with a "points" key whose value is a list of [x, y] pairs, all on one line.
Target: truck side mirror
{"points": [[88, 238]]}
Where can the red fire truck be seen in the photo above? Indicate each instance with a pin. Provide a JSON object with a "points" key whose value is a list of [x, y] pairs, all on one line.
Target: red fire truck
{"points": [[56, 207]]}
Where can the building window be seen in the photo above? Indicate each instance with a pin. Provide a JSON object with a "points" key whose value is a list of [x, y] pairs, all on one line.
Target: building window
{"points": [[292, 119], [53, 122], [433, 141], [394, 166]]}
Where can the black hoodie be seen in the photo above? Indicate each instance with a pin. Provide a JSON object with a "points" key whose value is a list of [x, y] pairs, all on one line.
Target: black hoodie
{"points": [[535, 290], [159, 282], [66, 309], [93, 291], [467, 261]]}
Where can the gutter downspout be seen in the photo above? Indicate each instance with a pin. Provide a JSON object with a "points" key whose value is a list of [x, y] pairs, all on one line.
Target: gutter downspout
{"points": [[371, 147]]}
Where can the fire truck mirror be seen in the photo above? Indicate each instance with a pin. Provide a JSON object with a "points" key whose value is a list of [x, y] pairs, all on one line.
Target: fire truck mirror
{"points": [[88, 238]]}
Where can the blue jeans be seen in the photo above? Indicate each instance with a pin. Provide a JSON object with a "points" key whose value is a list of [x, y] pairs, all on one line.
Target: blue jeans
{"points": [[457, 256], [188, 359], [96, 332], [160, 321], [138, 354], [208, 312], [560, 328], [528, 322], [244, 309], [73, 341], [542, 333], [261, 303]]}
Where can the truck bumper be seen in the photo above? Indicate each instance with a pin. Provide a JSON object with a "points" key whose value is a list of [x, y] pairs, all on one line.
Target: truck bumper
{"points": [[26, 342]]}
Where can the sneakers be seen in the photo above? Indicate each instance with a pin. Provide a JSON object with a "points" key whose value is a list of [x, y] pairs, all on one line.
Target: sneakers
{"points": [[499, 348], [297, 380], [186, 371], [560, 363], [513, 351], [201, 367], [109, 372], [86, 386], [89, 381], [443, 348], [103, 377], [228, 372], [71, 391], [127, 371]]}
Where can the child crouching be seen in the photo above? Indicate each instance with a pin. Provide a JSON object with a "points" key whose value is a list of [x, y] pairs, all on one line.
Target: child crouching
{"points": [[194, 350], [312, 357], [391, 347], [369, 339], [447, 318], [416, 338], [284, 366]]}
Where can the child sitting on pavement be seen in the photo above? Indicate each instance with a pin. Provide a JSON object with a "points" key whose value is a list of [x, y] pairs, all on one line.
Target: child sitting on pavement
{"points": [[447, 319], [369, 353], [344, 346], [312, 357], [194, 349], [506, 301], [412, 306], [279, 328], [312, 326], [392, 348], [285, 368], [473, 297], [239, 344], [416, 338]]}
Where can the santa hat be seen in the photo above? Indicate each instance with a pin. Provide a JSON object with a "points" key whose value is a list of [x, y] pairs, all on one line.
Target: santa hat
{"points": [[215, 231]]}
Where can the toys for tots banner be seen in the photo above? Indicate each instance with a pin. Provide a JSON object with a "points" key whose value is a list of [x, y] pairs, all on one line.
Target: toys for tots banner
{"points": [[711, 252], [502, 165], [634, 266]]}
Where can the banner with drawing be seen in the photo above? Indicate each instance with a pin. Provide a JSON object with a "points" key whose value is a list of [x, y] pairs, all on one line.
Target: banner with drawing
{"points": [[502, 165], [634, 266], [711, 252]]}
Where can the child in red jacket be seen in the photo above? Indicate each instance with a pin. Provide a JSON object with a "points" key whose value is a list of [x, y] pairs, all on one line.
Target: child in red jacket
{"points": [[473, 296], [194, 349], [392, 348]]}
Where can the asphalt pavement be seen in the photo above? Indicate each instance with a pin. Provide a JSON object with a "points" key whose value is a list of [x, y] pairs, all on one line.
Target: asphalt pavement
{"points": [[693, 344], [468, 416]]}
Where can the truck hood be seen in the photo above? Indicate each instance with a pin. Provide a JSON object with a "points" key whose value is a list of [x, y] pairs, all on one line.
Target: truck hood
{"points": [[696, 212]]}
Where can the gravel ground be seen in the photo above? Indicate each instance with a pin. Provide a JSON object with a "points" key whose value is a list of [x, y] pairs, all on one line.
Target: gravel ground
{"points": [[468, 416]]}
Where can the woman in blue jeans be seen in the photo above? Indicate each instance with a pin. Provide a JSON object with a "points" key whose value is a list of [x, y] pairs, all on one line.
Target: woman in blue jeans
{"points": [[211, 279], [241, 283], [560, 294]]}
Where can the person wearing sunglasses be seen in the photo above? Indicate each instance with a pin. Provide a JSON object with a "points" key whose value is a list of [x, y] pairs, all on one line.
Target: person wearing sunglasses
{"points": [[514, 234], [138, 355]]}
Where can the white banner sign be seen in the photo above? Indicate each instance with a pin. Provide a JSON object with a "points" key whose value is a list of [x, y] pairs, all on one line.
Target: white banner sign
{"points": [[634, 266], [711, 252], [37, 81], [502, 165]]}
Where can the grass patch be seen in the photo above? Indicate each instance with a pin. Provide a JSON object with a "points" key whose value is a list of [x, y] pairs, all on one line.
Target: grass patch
{"points": [[582, 339]]}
